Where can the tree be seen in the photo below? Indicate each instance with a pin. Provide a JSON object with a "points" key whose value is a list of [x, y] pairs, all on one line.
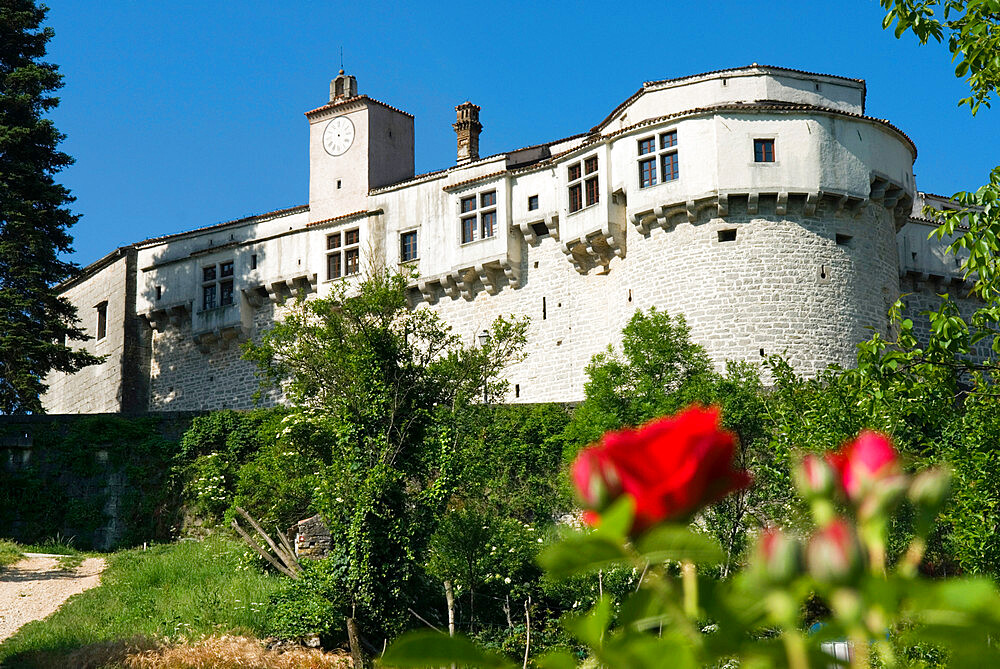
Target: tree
{"points": [[660, 371], [386, 384], [35, 323], [972, 28]]}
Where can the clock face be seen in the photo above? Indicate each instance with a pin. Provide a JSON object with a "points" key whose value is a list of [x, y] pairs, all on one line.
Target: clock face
{"points": [[338, 136]]}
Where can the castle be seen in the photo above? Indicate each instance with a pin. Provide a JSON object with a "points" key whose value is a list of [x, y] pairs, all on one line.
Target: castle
{"points": [[760, 202]]}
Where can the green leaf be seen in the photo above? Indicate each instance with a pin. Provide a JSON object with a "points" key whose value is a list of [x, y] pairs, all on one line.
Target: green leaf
{"points": [[579, 553], [559, 659], [642, 610], [673, 542], [616, 520], [590, 627], [425, 648]]}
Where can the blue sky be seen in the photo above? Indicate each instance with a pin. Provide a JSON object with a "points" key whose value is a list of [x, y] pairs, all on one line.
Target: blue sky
{"points": [[185, 114]]}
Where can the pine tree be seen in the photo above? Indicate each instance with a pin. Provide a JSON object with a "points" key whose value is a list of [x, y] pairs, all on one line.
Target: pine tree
{"points": [[35, 323]]}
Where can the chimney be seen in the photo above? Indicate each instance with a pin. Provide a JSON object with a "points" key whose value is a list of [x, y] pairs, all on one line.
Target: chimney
{"points": [[467, 127], [343, 87]]}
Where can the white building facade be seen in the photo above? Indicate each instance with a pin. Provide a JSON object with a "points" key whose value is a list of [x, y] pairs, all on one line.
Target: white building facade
{"points": [[759, 202]]}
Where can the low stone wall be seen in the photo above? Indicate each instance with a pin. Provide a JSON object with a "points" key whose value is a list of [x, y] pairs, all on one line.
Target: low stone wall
{"points": [[100, 480]]}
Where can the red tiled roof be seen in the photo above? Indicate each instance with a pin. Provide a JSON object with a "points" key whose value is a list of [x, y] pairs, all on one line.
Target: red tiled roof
{"points": [[356, 98], [484, 177], [218, 226], [648, 84], [747, 67], [353, 214]]}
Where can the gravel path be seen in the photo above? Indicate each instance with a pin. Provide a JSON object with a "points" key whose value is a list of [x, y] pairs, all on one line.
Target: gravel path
{"points": [[34, 588]]}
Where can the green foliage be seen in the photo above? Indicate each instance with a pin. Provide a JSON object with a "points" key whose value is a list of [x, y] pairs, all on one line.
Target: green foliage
{"points": [[35, 323], [973, 31], [385, 385], [236, 458], [181, 590], [317, 603], [510, 460], [972, 540], [64, 492], [657, 372], [9, 553]]}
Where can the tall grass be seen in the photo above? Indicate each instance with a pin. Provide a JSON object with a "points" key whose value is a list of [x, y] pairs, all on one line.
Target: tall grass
{"points": [[178, 590], [9, 553]]}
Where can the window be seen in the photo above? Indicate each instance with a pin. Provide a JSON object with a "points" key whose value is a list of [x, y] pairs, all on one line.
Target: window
{"points": [[584, 188], [665, 156], [253, 261], [102, 320], [532, 202], [408, 246], [159, 292], [479, 216], [217, 285], [342, 254], [763, 150]]}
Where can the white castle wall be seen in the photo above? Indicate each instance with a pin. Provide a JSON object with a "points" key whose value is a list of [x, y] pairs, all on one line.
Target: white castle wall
{"points": [[814, 265]]}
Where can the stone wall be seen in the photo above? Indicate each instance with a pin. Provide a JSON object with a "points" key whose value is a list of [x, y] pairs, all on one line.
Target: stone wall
{"points": [[119, 383], [101, 481], [183, 378], [784, 285]]}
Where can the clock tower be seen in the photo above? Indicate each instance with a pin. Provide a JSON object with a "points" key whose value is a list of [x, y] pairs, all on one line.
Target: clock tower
{"points": [[356, 143]]}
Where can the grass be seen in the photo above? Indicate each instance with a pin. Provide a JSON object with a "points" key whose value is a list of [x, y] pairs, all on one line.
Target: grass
{"points": [[175, 591], [9, 553]]}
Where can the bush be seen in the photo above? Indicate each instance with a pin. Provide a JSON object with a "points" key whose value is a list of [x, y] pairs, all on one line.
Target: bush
{"points": [[314, 604]]}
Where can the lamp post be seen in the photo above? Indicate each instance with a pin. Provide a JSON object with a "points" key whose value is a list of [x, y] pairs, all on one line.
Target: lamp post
{"points": [[484, 341]]}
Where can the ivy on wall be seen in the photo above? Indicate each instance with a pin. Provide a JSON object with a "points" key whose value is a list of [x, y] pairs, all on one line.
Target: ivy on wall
{"points": [[102, 480]]}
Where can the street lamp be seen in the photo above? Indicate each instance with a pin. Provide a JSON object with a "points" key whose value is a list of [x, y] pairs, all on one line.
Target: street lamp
{"points": [[484, 341]]}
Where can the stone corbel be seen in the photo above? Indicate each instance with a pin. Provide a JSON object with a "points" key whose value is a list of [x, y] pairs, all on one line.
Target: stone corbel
{"points": [[278, 291], [253, 297], [204, 341], [512, 271], [488, 277], [428, 290], [692, 211], [781, 208], [451, 286], [812, 200], [753, 203], [723, 205]]}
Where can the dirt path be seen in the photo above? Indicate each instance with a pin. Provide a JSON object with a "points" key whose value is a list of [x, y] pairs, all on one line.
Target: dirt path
{"points": [[34, 588]]}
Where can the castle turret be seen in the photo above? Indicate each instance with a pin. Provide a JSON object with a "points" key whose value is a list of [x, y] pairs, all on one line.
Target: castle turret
{"points": [[467, 127]]}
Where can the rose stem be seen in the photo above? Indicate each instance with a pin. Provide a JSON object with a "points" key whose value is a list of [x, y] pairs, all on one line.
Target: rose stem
{"points": [[795, 647], [689, 577]]}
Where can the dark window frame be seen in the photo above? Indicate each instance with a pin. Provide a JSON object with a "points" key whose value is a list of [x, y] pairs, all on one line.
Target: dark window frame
{"points": [[763, 150], [344, 245], [408, 246], [661, 149], [102, 320]]}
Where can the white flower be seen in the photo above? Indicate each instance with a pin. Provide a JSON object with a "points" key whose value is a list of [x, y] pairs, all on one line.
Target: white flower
{"points": [[507, 580]]}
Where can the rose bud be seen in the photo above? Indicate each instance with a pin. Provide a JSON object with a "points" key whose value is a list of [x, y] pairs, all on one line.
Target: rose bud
{"points": [[777, 557], [869, 472], [814, 477], [834, 553], [672, 467], [595, 479]]}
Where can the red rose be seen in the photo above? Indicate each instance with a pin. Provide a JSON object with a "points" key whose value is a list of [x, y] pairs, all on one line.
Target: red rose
{"points": [[671, 467]]}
